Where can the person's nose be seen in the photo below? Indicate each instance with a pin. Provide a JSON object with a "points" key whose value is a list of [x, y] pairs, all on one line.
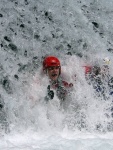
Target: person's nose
{"points": [[55, 70]]}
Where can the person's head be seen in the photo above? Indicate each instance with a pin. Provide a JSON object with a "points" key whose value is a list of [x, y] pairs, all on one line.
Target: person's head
{"points": [[106, 61], [52, 67]]}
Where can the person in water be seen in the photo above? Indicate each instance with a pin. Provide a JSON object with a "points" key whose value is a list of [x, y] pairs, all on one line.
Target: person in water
{"points": [[52, 68], [100, 78]]}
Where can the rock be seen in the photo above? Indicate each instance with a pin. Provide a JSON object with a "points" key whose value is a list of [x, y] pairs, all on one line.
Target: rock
{"points": [[13, 47]]}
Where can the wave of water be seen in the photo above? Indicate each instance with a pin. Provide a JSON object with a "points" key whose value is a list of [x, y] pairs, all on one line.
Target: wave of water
{"points": [[79, 33]]}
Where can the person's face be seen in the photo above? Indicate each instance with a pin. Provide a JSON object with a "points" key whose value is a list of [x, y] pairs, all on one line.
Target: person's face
{"points": [[53, 72]]}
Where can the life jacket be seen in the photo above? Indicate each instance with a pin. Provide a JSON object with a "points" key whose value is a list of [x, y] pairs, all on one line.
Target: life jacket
{"points": [[62, 88], [62, 83]]}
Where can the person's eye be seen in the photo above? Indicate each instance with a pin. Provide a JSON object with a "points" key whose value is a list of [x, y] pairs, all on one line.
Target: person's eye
{"points": [[51, 68], [58, 67]]}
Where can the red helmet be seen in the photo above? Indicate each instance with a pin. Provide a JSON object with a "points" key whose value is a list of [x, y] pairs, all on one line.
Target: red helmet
{"points": [[50, 61], [87, 69]]}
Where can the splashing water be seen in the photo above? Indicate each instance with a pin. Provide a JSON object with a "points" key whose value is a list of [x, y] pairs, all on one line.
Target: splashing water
{"points": [[79, 33]]}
